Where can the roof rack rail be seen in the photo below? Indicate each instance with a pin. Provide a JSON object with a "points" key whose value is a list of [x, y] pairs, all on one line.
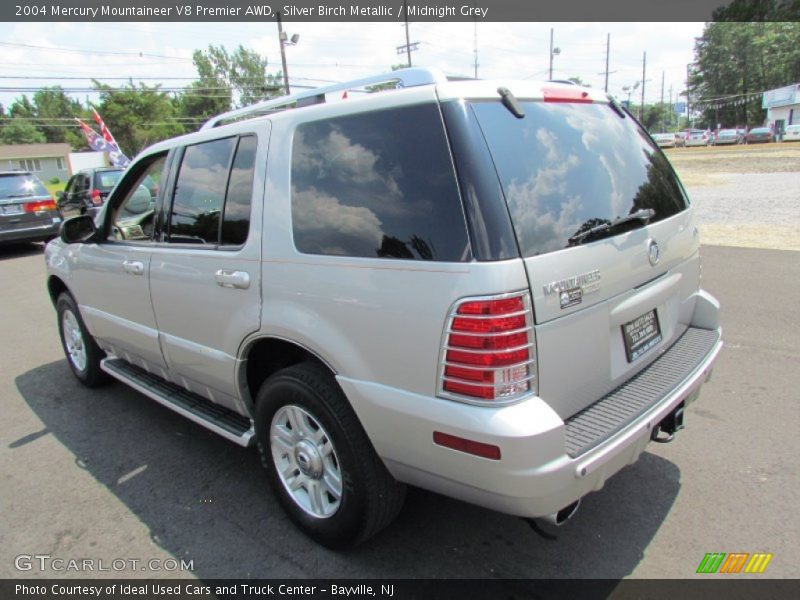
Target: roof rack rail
{"points": [[404, 77]]}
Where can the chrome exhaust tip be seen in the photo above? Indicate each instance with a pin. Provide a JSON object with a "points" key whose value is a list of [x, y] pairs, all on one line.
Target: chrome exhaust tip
{"points": [[563, 515]]}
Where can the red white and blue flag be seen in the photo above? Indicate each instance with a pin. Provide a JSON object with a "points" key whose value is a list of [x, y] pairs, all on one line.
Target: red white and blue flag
{"points": [[104, 143]]}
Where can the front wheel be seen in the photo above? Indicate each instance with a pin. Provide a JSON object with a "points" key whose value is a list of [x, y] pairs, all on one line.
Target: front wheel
{"points": [[83, 353], [319, 459]]}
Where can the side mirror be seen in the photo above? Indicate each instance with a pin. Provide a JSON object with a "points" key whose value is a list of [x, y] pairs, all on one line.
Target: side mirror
{"points": [[77, 230]]}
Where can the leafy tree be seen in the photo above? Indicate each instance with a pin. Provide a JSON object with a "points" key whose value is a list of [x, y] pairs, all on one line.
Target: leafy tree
{"points": [[137, 115], [735, 62], [17, 131], [578, 81]]}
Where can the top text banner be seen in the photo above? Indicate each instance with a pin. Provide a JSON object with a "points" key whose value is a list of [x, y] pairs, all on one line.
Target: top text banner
{"points": [[354, 10]]}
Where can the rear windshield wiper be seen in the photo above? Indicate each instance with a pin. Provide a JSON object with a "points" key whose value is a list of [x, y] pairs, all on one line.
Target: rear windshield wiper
{"points": [[644, 215]]}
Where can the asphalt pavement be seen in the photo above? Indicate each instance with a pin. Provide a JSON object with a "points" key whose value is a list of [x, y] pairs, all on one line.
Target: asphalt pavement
{"points": [[108, 474]]}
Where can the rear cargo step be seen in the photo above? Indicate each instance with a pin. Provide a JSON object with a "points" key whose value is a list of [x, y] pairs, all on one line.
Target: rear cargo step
{"points": [[596, 423], [218, 419]]}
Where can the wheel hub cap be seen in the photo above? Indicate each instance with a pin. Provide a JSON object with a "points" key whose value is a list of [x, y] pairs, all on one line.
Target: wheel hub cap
{"points": [[305, 461]]}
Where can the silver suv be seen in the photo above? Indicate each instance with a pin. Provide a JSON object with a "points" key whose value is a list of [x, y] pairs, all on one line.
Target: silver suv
{"points": [[488, 290]]}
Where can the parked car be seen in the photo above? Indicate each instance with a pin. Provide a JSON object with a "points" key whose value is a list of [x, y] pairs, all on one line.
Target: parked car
{"points": [[759, 135], [726, 137], [383, 292], [697, 137], [27, 210], [664, 140], [87, 190], [792, 133]]}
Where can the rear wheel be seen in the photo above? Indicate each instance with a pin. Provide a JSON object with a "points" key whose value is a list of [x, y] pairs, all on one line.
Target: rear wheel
{"points": [[82, 352], [319, 459]]}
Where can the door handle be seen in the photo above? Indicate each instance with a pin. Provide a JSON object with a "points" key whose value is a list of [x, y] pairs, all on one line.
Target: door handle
{"points": [[232, 279], [133, 267]]}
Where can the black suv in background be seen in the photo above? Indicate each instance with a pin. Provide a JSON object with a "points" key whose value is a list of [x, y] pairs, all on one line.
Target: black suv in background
{"points": [[87, 190], [27, 210]]}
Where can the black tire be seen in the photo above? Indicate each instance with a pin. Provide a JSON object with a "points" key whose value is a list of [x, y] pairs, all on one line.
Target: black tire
{"points": [[89, 374], [370, 497]]}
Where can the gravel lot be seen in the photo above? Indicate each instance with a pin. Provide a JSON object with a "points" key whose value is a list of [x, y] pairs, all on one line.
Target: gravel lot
{"points": [[744, 195]]}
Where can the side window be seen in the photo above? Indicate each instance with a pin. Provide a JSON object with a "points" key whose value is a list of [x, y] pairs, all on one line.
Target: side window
{"points": [[236, 219], [378, 184], [134, 217], [70, 189], [200, 193]]}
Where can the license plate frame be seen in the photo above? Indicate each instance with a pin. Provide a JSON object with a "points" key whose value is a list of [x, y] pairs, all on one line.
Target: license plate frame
{"points": [[641, 335]]}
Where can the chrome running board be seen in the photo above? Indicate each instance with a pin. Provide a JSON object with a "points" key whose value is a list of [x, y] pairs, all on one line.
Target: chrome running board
{"points": [[223, 421]]}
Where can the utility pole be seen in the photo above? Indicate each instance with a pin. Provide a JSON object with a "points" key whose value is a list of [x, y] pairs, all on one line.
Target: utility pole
{"points": [[551, 53], [688, 117], [608, 51], [644, 67], [408, 40], [671, 111], [283, 55], [661, 115], [475, 47]]}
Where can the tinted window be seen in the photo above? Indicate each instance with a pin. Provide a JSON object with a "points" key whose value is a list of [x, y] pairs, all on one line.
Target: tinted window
{"points": [[379, 184], [236, 220], [566, 168], [200, 192], [21, 186]]}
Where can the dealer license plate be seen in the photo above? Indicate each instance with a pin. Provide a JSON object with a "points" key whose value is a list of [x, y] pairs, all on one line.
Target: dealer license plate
{"points": [[641, 334]]}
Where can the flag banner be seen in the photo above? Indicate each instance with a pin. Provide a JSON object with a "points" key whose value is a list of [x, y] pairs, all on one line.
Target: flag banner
{"points": [[104, 143]]}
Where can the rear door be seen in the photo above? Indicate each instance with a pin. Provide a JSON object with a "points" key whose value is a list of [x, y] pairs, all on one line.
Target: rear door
{"points": [[205, 276], [606, 302]]}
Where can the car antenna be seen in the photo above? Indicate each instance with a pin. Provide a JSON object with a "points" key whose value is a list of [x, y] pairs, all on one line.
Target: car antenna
{"points": [[510, 102]]}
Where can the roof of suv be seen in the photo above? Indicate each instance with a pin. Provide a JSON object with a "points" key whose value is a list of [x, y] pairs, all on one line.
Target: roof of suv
{"points": [[417, 85]]}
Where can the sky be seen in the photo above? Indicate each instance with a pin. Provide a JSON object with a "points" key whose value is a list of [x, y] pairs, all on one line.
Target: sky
{"points": [[69, 54]]}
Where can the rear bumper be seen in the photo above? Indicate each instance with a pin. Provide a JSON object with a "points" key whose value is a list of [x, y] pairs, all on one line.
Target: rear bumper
{"points": [[36, 233], [539, 471]]}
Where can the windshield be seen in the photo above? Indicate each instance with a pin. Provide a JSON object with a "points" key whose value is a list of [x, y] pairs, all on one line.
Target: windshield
{"points": [[566, 168], [21, 186]]}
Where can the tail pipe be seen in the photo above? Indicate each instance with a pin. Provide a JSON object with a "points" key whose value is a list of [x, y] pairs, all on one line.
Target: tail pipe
{"points": [[563, 515]]}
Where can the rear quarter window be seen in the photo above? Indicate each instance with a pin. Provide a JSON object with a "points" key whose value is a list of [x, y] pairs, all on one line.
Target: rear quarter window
{"points": [[378, 184]]}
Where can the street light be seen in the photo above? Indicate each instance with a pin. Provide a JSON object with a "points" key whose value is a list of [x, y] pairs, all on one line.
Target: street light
{"points": [[629, 89], [285, 40]]}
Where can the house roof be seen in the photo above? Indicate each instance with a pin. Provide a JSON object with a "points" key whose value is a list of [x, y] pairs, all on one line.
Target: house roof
{"points": [[35, 151]]}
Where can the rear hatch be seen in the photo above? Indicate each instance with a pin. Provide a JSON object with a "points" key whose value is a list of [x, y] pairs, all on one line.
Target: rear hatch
{"points": [[607, 298], [24, 202]]}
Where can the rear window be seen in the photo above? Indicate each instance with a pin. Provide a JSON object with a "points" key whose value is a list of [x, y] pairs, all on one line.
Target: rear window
{"points": [[21, 186], [105, 180], [565, 168], [378, 184]]}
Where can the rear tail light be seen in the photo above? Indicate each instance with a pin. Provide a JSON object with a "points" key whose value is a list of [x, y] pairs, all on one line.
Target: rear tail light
{"points": [[97, 198], [488, 354], [566, 94], [42, 206]]}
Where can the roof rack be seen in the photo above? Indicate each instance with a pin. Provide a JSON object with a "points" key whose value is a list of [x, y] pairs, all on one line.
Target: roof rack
{"points": [[404, 77]]}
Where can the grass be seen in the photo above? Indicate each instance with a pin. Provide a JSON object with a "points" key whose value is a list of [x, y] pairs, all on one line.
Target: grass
{"points": [[55, 187]]}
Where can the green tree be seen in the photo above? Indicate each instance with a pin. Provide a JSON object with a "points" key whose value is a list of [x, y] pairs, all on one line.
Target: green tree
{"points": [[137, 115], [735, 62], [18, 131]]}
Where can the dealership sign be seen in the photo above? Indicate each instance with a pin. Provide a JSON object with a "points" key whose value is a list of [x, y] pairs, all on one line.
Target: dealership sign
{"points": [[782, 96]]}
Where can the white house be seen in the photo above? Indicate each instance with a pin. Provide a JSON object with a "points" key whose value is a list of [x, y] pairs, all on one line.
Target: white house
{"points": [[783, 107]]}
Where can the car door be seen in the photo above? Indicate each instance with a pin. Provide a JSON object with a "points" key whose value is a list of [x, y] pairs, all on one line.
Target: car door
{"points": [[67, 205], [111, 278], [205, 275]]}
